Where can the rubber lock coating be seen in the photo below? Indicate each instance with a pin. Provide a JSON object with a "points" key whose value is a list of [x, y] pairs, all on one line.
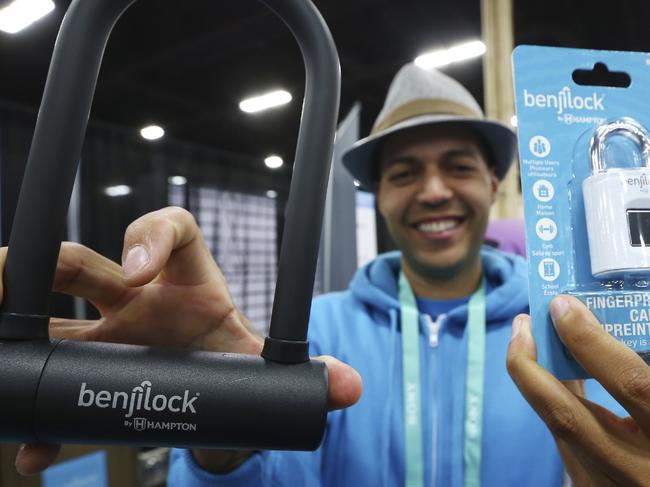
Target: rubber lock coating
{"points": [[84, 392]]}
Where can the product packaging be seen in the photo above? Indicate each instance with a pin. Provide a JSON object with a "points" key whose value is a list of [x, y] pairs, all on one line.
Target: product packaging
{"points": [[584, 150]]}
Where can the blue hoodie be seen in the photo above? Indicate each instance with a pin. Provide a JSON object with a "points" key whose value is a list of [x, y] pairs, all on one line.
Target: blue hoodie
{"points": [[364, 444]]}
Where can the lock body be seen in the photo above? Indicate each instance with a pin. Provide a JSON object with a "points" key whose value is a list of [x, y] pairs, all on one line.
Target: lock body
{"points": [[130, 394], [617, 210], [617, 205]]}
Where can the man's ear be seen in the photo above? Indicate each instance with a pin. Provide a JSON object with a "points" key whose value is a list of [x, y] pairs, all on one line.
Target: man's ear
{"points": [[494, 181], [377, 194]]}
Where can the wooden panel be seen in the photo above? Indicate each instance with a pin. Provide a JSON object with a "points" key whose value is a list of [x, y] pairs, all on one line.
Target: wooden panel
{"points": [[497, 27]]}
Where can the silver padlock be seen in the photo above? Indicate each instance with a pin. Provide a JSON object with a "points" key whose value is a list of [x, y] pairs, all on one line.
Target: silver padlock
{"points": [[617, 206]]}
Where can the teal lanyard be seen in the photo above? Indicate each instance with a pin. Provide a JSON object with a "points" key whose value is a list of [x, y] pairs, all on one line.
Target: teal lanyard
{"points": [[410, 317]]}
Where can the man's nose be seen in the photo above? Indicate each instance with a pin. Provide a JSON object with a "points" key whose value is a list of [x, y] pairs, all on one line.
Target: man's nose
{"points": [[434, 188]]}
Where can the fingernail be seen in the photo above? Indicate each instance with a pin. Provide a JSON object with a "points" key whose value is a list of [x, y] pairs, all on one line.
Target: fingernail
{"points": [[516, 327], [136, 259], [559, 307]]}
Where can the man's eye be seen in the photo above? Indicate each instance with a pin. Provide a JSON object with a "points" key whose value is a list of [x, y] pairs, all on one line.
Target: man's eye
{"points": [[463, 168], [400, 175]]}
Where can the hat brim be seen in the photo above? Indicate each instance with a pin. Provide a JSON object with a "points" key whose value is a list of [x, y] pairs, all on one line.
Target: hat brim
{"points": [[499, 138]]}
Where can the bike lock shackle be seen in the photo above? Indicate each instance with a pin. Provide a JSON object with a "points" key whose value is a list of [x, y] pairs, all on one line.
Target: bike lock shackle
{"points": [[88, 392]]}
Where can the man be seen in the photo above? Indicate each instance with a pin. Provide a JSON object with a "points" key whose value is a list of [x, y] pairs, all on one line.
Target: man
{"points": [[438, 407], [434, 163]]}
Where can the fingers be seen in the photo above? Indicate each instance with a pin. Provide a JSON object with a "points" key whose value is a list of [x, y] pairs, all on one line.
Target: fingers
{"points": [[619, 369], [581, 469], [576, 386], [563, 413], [83, 330], [151, 241], [345, 385], [587, 434], [35, 457], [83, 272]]}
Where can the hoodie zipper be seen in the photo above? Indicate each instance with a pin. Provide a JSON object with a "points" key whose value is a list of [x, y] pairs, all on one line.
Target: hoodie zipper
{"points": [[434, 331]]}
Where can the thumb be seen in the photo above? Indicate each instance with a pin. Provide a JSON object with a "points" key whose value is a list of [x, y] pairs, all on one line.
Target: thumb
{"points": [[32, 458], [168, 243], [345, 384]]}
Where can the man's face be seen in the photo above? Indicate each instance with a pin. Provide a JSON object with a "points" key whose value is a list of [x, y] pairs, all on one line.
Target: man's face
{"points": [[435, 191]]}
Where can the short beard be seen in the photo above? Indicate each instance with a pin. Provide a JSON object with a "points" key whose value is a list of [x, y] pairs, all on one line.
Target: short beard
{"points": [[439, 274]]}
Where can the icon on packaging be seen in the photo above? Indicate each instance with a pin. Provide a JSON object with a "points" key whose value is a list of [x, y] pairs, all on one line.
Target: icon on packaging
{"points": [[546, 229], [539, 146], [549, 269], [543, 190]]}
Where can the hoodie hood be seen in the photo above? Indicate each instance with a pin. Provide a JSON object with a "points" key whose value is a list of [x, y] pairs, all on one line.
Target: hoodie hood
{"points": [[375, 285]]}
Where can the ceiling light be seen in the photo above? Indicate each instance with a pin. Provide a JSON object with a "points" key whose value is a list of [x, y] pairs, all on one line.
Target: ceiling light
{"points": [[263, 102], [177, 180], [357, 184], [22, 13], [119, 190], [442, 57], [271, 193], [273, 162], [513, 120], [152, 132]]}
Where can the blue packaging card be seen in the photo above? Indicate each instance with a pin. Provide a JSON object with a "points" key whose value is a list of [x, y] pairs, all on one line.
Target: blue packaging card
{"points": [[556, 119]]}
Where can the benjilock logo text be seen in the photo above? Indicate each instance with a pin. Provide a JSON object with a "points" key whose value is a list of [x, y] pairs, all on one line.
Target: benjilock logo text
{"points": [[140, 398], [564, 100], [642, 182]]}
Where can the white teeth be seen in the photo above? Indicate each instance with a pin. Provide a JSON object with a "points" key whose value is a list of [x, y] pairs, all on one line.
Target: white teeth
{"points": [[439, 226]]}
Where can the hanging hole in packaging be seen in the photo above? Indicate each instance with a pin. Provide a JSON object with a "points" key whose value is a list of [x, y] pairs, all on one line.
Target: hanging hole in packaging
{"points": [[600, 75]]}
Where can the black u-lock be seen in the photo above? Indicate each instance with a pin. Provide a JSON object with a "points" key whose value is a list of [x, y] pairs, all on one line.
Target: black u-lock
{"points": [[67, 391]]}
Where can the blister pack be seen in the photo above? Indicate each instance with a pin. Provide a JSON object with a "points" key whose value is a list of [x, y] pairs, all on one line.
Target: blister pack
{"points": [[584, 149]]}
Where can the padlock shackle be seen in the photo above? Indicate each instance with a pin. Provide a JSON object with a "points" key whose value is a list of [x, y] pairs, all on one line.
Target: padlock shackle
{"points": [[54, 155], [624, 126], [56, 391]]}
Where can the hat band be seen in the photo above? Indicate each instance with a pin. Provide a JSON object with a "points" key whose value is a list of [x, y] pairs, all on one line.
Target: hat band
{"points": [[416, 108]]}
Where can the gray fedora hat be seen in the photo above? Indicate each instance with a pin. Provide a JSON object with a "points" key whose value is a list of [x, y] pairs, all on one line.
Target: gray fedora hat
{"points": [[419, 97]]}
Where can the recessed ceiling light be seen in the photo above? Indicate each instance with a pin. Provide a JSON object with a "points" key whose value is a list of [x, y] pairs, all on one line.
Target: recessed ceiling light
{"points": [[272, 193], [118, 190], [273, 162], [177, 180], [152, 132], [22, 13], [442, 57], [265, 101]]}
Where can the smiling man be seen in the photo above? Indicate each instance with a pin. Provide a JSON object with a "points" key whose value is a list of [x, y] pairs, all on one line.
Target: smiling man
{"points": [[435, 193], [427, 327]]}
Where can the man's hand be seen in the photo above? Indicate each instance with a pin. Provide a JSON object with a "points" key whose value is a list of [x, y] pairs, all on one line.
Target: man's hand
{"points": [[598, 447], [169, 292]]}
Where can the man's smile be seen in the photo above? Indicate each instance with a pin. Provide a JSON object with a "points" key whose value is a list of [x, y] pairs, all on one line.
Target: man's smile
{"points": [[439, 227]]}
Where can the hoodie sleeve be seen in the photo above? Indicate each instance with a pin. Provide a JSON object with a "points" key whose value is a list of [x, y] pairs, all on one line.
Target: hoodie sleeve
{"points": [[281, 469], [184, 471]]}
